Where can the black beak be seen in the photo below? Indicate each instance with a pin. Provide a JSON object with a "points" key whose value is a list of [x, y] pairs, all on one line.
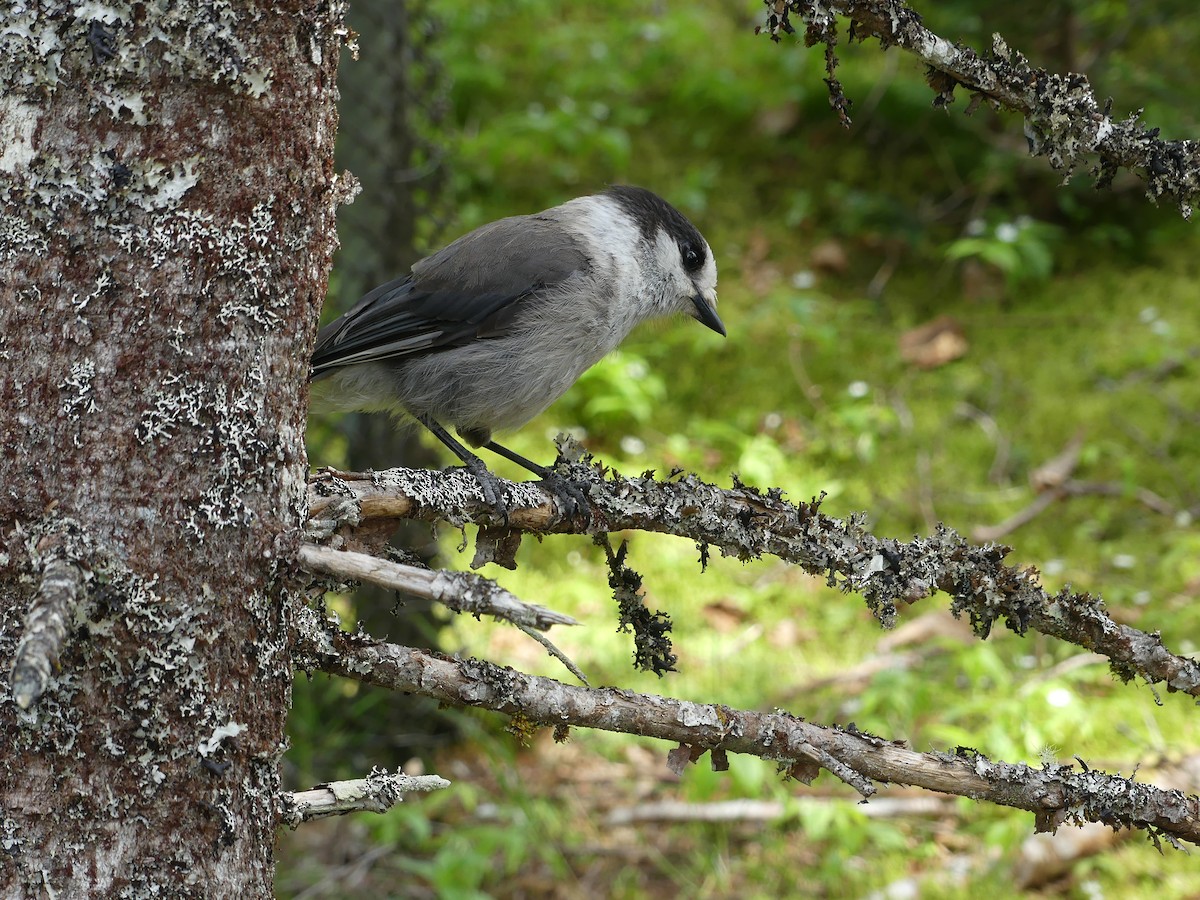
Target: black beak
{"points": [[706, 313]]}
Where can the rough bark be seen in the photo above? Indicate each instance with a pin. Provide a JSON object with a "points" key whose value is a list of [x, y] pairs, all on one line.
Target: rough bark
{"points": [[166, 211]]}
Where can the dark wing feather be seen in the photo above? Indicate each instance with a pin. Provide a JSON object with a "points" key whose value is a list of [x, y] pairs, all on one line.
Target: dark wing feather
{"points": [[468, 290]]}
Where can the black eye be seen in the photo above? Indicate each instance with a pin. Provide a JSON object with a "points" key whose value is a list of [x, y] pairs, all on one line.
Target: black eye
{"points": [[693, 258]]}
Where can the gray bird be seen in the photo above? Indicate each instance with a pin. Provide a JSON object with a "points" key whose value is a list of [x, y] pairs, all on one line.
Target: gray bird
{"points": [[489, 331]]}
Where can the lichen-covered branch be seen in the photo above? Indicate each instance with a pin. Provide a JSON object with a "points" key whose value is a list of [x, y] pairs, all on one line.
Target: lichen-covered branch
{"points": [[746, 523], [1055, 794], [61, 591], [1064, 121], [378, 793], [459, 591]]}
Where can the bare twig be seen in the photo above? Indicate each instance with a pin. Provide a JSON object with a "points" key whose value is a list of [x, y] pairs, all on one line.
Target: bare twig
{"points": [[1055, 794], [678, 811], [568, 663], [351, 872], [378, 792], [1072, 488], [1066, 667], [1058, 469], [1043, 858], [855, 678], [1152, 501], [746, 523], [460, 591], [61, 591], [1019, 519], [1063, 119], [988, 425], [771, 810]]}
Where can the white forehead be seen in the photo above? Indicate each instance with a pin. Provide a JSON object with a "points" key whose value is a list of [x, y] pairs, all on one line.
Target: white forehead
{"points": [[601, 219], [605, 224]]}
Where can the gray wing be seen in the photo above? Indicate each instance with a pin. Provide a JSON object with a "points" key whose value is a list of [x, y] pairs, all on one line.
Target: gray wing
{"points": [[470, 289]]}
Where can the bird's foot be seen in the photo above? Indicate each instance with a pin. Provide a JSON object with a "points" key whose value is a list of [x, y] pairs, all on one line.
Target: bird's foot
{"points": [[495, 492], [572, 499]]}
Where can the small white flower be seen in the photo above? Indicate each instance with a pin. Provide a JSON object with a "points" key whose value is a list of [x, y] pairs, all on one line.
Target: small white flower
{"points": [[632, 446], [1059, 697]]}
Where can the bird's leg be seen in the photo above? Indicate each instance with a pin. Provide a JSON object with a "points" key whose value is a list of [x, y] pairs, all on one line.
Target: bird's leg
{"points": [[574, 499], [494, 493]]}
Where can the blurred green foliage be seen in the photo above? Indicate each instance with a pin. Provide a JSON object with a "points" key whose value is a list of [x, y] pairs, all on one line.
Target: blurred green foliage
{"points": [[1078, 309]]}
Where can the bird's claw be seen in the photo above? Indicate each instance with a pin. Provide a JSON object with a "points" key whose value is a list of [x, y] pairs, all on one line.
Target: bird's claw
{"points": [[572, 499], [495, 493]]}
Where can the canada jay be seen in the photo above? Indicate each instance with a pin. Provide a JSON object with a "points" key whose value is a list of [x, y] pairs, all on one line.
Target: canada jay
{"points": [[487, 332]]}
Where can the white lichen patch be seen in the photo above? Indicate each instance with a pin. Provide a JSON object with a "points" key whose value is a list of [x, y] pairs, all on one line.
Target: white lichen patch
{"points": [[77, 390], [154, 185], [230, 729], [18, 120], [177, 338], [202, 253], [113, 196], [158, 688], [117, 42], [19, 237], [227, 420], [210, 249], [30, 47], [104, 281]]}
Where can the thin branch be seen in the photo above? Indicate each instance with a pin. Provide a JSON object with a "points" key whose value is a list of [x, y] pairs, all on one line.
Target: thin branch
{"points": [[1064, 121], [771, 810], [1020, 518], [568, 663], [1045, 858], [378, 792], [460, 591], [1055, 794], [1148, 498], [718, 811], [61, 591], [745, 523], [1072, 488]]}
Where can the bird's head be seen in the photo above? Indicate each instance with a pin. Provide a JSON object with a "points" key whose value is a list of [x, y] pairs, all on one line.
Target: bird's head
{"points": [[679, 263]]}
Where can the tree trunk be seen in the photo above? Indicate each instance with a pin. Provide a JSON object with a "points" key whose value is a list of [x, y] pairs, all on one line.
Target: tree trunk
{"points": [[166, 226]]}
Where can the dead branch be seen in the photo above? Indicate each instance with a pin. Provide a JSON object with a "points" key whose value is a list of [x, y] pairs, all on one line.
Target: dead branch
{"points": [[1019, 519], [1055, 794], [1068, 489], [746, 523], [770, 810], [552, 650], [1043, 858], [1064, 121], [378, 792], [61, 591], [459, 591]]}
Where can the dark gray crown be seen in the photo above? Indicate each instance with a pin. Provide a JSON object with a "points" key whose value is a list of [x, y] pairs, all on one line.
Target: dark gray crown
{"points": [[652, 212]]}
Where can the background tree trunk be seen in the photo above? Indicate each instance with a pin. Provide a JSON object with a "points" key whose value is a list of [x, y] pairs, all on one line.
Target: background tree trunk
{"points": [[166, 224], [392, 107]]}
